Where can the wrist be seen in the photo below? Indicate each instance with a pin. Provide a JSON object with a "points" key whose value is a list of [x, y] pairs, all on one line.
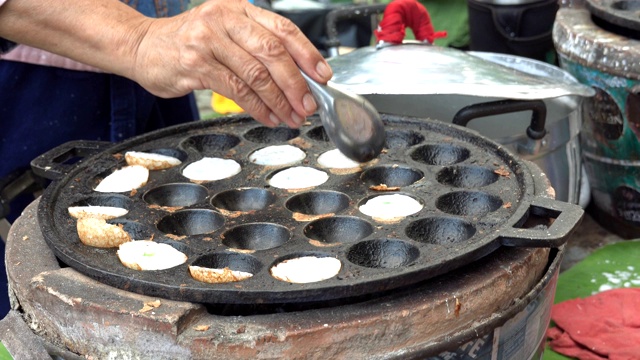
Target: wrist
{"points": [[100, 33]]}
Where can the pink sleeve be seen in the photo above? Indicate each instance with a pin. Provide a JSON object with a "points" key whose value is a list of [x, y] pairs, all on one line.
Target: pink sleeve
{"points": [[5, 45]]}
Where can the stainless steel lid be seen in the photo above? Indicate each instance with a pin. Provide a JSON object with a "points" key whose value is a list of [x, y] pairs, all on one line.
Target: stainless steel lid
{"points": [[417, 69]]}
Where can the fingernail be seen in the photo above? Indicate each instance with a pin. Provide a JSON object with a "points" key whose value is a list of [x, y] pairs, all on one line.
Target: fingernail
{"points": [[324, 70], [309, 103], [296, 118], [274, 119]]}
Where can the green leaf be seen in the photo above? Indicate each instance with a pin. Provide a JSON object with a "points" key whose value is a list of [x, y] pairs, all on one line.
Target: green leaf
{"points": [[4, 353], [552, 355], [610, 267]]}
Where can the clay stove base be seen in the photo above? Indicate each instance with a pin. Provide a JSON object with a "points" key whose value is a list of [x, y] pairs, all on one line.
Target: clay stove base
{"points": [[74, 312]]}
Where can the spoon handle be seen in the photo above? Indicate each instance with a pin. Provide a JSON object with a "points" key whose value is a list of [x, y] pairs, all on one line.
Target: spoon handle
{"points": [[349, 120], [317, 89]]}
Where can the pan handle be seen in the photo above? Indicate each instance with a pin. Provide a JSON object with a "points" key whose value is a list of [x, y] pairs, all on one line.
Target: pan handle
{"points": [[55, 163], [535, 131], [21, 181], [566, 217]]}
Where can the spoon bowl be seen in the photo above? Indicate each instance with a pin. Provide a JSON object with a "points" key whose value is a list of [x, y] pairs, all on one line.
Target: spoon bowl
{"points": [[350, 121]]}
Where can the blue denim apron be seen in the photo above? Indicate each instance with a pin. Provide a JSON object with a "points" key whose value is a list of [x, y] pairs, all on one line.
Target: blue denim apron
{"points": [[158, 8], [42, 107]]}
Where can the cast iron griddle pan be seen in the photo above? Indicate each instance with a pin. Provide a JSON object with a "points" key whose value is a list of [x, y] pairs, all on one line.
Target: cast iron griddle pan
{"points": [[476, 196]]}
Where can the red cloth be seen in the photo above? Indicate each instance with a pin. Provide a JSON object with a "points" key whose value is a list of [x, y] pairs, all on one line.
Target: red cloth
{"points": [[599, 327], [400, 14]]}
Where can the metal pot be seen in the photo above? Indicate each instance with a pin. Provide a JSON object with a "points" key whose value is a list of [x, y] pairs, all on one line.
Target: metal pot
{"points": [[436, 82]]}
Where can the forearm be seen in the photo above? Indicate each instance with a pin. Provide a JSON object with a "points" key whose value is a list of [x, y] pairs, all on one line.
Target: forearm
{"points": [[236, 49], [102, 33]]}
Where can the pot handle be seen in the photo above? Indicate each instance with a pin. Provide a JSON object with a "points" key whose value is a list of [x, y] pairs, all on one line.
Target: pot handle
{"points": [[344, 13], [566, 217], [535, 131], [58, 162]]}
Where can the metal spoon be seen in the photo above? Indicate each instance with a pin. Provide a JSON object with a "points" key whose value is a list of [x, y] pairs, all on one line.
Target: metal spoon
{"points": [[350, 121]]}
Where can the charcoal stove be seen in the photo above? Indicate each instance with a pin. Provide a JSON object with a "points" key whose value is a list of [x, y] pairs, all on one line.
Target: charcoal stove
{"points": [[599, 43], [470, 272]]}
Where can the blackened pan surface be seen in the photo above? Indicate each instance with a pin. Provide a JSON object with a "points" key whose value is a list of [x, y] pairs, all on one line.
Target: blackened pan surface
{"points": [[476, 197]]}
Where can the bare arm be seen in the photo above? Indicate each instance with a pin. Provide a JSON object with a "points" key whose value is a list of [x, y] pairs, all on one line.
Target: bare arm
{"points": [[230, 46]]}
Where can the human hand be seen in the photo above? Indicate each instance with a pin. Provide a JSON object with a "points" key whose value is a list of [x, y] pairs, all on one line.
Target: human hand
{"points": [[238, 50]]}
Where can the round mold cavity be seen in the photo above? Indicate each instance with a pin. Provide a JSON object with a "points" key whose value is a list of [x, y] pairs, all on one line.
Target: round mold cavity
{"points": [[245, 199], [175, 153], [440, 230], [233, 261], [440, 154], [266, 135], [305, 268], [176, 195], [122, 179], [156, 159], [211, 169], [468, 203], [112, 200], [136, 230], [318, 202], [338, 229], [402, 139], [183, 248], [256, 236], [191, 222], [318, 134], [390, 206], [383, 253], [334, 159], [211, 143], [628, 5], [391, 176], [469, 177], [277, 155], [297, 177]]}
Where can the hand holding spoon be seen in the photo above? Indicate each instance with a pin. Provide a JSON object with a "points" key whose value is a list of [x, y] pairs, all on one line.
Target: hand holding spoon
{"points": [[350, 121]]}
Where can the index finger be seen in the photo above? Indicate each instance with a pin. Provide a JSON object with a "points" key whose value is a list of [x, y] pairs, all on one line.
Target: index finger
{"points": [[303, 52]]}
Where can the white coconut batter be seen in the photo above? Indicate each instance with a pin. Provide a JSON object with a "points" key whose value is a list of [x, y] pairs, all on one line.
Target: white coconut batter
{"points": [[102, 212], [211, 169], [298, 177], [306, 269], [125, 179], [151, 161], [277, 155], [391, 206], [149, 255], [334, 159]]}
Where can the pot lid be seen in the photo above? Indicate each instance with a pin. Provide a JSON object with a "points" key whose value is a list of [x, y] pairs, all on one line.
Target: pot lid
{"points": [[620, 13], [413, 69]]}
